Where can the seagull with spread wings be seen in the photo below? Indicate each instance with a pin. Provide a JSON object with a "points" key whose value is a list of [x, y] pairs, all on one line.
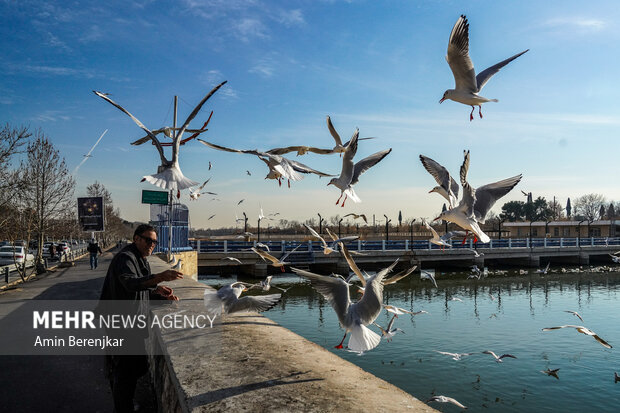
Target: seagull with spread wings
{"points": [[226, 300], [467, 83], [496, 357], [353, 317], [357, 216], [447, 188], [583, 330], [463, 214], [276, 262], [446, 399], [194, 195], [279, 166], [388, 332], [351, 172], [169, 175]]}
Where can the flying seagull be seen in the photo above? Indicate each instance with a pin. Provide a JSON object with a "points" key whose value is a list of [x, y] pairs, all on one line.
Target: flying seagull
{"points": [[575, 313], [351, 172], [463, 214], [357, 216], [226, 300], [583, 330], [279, 166], [281, 262], [445, 399], [232, 259], [353, 317], [447, 188], [496, 357], [455, 356], [169, 175], [194, 195], [425, 275], [388, 333], [467, 83]]}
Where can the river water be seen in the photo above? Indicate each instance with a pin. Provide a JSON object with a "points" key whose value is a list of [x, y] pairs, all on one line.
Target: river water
{"points": [[505, 314]]}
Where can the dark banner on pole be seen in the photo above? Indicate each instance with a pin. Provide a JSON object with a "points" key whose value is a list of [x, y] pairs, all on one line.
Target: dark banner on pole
{"points": [[90, 213]]}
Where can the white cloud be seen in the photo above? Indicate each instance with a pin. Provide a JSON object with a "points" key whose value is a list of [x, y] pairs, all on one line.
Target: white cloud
{"points": [[215, 77], [264, 68], [93, 34], [51, 116], [290, 17], [54, 41], [247, 28], [583, 24]]}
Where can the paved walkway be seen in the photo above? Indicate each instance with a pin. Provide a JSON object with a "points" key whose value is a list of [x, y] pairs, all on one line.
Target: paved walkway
{"points": [[57, 383]]}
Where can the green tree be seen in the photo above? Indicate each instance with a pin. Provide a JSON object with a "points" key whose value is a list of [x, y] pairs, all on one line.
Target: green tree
{"points": [[513, 211]]}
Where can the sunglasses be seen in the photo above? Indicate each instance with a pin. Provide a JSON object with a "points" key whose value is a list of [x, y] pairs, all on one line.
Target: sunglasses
{"points": [[148, 240]]}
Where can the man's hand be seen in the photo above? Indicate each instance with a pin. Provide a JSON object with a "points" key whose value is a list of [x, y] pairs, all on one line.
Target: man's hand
{"points": [[168, 275], [165, 292]]}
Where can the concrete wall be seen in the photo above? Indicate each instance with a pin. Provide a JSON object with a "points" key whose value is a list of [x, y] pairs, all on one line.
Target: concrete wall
{"points": [[189, 265], [250, 363]]}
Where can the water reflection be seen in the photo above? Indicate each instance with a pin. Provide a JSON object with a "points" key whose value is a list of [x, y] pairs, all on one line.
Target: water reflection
{"points": [[510, 322]]}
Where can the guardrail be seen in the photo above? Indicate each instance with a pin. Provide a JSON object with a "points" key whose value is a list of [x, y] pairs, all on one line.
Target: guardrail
{"points": [[359, 245], [8, 271]]}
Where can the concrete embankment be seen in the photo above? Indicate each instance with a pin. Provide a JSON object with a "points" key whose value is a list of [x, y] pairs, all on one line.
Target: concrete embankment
{"points": [[250, 363]]}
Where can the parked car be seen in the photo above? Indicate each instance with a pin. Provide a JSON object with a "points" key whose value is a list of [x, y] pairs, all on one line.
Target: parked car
{"points": [[10, 255]]}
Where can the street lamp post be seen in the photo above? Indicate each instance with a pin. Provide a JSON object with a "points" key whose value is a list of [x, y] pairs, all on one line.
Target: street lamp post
{"points": [[258, 231], [245, 223], [320, 223], [579, 233], [499, 228], [412, 221], [339, 222], [387, 223]]}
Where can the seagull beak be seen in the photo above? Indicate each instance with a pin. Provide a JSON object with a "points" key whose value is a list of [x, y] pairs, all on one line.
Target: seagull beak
{"points": [[441, 100], [436, 219], [329, 184], [431, 191]]}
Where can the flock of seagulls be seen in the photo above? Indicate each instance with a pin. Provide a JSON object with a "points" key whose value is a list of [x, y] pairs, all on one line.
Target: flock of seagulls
{"points": [[355, 316]]}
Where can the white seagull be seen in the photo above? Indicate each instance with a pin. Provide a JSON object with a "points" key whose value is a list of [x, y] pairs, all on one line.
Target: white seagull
{"points": [[445, 399], [279, 166], [583, 330], [388, 333], [350, 173], [455, 356], [447, 188], [467, 84], [463, 214], [496, 357], [226, 300], [425, 275], [169, 175], [194, 195], [354, 317], [281, 262], [442, 241], [232, 259], [575, 313], [544, 270]]}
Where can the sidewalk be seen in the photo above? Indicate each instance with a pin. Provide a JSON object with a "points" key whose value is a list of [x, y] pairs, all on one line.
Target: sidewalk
{"points": [[57, 383]]}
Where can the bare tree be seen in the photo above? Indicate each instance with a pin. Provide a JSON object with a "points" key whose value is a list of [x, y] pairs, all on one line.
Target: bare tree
{"points": [[47, 190], [589, 206], [12, 141]]}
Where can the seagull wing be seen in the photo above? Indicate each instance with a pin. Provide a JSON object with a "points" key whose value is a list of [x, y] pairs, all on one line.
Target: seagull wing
{"points": [[334, 289], [203, 185], [397, 277], [265, 256], [366, 163], [352, 264], [150, 134], [441, 175], [300, 167], [192, 115], [469, 194], [257, 303], [333, 132], [483, 77], [368, 308], [458, 57], [487, 195], [285, 256]]}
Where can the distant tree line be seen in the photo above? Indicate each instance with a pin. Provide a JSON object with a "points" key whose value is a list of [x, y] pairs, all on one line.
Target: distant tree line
{"points": [[591, 207]]}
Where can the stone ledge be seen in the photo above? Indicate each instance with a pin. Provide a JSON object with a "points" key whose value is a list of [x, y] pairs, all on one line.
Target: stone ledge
{"points": [[247, 362]]}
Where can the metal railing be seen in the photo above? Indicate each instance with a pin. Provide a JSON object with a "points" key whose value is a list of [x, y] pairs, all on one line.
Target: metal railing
{"points": [[404, 245]]}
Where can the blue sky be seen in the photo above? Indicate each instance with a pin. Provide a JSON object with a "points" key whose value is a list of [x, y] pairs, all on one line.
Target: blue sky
{"points": [[374, 65]]}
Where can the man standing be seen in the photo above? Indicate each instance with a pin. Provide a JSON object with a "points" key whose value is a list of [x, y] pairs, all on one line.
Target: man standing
{"points": [[94, 249], [129, 278]]}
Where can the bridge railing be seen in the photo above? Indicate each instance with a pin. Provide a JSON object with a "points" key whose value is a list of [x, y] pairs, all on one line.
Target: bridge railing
{"points": [[383, 245]]}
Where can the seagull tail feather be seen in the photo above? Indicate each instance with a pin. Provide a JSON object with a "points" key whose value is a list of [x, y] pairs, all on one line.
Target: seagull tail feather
{"points": [[352, 195], [363, 339]]}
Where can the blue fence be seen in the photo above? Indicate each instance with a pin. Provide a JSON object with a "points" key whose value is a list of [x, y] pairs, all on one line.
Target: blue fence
{"points": [[315, 246]]}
